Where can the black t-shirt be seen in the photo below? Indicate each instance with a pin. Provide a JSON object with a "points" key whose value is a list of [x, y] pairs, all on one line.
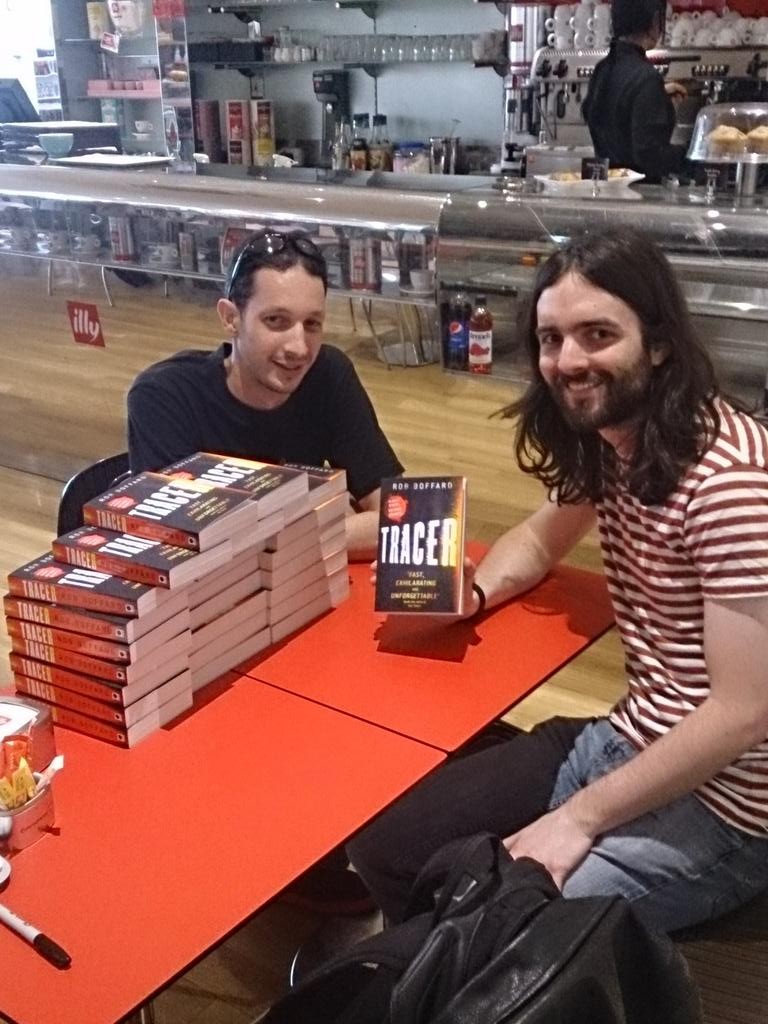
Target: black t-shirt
{"points": [[629, 114], [182, 405]]}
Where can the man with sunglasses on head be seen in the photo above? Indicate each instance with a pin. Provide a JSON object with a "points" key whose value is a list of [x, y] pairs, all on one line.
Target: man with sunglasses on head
{"points": [[272, 391]]}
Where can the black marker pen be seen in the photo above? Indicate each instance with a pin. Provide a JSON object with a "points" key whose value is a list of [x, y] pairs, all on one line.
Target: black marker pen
{"points": [[46, 947]]}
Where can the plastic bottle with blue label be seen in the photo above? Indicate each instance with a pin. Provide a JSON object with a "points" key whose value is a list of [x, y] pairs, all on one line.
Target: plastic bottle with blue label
{"points": [[459, 313]]}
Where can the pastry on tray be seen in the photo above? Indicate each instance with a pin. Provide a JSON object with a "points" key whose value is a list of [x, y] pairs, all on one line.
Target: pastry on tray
{"points": [[726, 140], [757, 139]]}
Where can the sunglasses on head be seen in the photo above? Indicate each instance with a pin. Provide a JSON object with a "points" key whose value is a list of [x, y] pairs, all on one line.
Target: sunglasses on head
{"points": [[269, 243]]}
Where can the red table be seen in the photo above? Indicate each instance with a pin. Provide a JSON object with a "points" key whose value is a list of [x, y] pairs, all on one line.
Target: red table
{"points": [[439, 684], [165, 849]]}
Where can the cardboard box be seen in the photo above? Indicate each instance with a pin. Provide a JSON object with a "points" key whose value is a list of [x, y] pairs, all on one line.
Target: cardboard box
{"points": [[262, 131], [238, 132]]}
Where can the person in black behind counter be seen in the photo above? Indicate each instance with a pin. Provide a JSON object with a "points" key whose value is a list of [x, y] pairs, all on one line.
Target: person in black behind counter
{"points": [[629, 109], [272, 392]]}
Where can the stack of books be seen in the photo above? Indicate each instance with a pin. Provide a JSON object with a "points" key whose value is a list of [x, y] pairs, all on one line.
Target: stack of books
{"points": [[304, 567], [176, 578]]}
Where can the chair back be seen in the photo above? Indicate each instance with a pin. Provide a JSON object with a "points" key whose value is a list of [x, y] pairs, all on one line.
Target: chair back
{"points": [[85, 485]]}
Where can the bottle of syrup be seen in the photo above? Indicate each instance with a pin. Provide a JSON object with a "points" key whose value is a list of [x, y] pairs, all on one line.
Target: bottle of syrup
{"points": [[358, 153], [480, 337]]}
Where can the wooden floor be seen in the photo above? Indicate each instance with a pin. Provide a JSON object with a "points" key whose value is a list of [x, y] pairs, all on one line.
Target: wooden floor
{"points": [[62, 405]]}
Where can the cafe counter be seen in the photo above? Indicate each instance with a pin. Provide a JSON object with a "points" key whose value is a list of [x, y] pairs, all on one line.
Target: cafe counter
{"points": [[421, 245]]}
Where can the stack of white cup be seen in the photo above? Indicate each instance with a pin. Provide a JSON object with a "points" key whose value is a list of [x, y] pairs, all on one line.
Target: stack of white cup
{"points": [[584, 26], [705, 28], [559, 27]]}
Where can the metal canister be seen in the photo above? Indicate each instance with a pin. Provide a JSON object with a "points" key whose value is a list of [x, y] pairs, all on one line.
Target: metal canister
{"points": [[121, 238]]}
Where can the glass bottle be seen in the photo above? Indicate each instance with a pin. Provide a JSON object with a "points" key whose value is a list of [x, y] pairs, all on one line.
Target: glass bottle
{"points": [[480, 337], [358, 153], [342, 142], [380, 148]]}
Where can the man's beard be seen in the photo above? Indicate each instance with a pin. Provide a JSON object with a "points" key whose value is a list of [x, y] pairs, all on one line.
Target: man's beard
{"points": [[622, 398]]}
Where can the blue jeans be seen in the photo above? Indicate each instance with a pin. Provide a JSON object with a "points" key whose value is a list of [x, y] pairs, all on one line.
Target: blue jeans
{"points": [[677, 865]]}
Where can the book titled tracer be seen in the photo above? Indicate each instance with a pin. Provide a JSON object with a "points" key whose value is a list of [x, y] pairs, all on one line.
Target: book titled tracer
{"points": [[420, 551]]}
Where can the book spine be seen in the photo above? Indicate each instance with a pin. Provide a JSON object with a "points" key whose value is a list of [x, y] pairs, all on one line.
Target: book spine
{"points": [[110, 564], [69, 719], [59, 617], [62, 640], [69, 699], [55, 676], [70, 659], [140, 527], [73, 596]]}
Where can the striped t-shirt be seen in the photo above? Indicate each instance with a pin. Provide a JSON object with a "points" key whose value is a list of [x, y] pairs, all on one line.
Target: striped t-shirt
{"points": [[708, 540]]}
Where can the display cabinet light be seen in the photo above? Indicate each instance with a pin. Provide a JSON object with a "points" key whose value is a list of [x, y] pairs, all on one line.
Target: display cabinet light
{"points": [[368, 7]]}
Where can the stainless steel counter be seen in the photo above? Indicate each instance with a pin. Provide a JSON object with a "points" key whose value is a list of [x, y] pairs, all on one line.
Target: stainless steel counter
{"points": [[490, 241], [231, 198]]}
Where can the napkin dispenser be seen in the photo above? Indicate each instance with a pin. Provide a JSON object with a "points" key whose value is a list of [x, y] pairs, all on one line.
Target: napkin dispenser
{"points": [[22, 715], [21, 826]]}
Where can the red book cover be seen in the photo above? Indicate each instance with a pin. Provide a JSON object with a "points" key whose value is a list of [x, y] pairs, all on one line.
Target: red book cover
{"points": [[111, 712], [136, 558], [157, 665], [188, 513], [421, 545], [79, 722], [88, 686], [52, 675], [62, 639], [269, 486], [164, 622], [45, 579], [69, 659], [119, 735], [109, 627], [106, 712]]}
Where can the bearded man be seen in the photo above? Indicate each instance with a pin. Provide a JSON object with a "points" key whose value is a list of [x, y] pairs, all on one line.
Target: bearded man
{"points": [[665, 800]]}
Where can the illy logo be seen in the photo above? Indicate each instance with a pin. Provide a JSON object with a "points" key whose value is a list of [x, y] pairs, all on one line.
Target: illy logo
{"points": [[86, 326]]}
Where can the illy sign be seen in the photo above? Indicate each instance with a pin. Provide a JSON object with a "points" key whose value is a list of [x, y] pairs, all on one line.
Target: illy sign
{"points": [[86, 326]]}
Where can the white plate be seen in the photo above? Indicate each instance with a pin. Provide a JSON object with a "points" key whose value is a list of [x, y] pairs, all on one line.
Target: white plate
{"points": [[115, 160], [142, 136], [584, 187]]}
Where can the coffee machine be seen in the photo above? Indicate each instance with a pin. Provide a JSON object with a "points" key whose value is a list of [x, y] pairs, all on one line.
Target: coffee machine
{"points": [[332, 90], [525, 27]]}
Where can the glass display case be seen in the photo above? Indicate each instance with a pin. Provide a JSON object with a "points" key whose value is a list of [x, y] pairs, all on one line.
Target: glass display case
{"points": [[127, 67], [378, 243], [491, 242], [429, 249]]}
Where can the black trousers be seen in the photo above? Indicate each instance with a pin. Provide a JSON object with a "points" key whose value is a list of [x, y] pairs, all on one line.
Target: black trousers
{"points": [[499, 789]]}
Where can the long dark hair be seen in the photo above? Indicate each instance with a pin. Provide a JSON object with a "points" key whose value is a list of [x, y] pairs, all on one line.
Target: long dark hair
{"points": [[680, 417]]}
